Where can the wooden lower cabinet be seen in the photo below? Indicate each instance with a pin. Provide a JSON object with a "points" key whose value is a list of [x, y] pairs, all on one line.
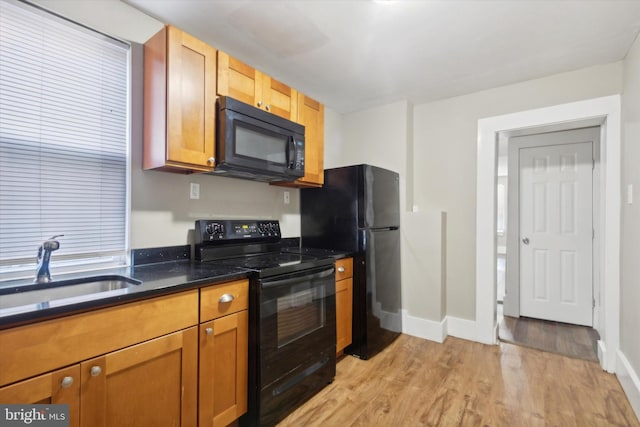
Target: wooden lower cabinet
{"points": [[57, 387], [344, 303], [176, 360], [223, 369], [149, 384]]}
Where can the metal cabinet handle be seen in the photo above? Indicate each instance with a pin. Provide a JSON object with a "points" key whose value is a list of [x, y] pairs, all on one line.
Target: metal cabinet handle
{"points": [[525, 240], [66, 382], [95, 371], [259, 103], [268, 107], [226, 298], [340, 269], [211, 161], [208, 331]]}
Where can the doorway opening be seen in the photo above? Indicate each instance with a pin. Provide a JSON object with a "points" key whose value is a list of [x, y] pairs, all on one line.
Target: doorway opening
{"points": [[604, 112], [545, 258]]}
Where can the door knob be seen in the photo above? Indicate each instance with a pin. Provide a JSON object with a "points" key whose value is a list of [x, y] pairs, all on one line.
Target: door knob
{"points": [[525, 240]]}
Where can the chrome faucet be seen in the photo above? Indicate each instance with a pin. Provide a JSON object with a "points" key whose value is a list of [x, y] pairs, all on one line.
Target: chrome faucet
{"points": [[44, 256]]}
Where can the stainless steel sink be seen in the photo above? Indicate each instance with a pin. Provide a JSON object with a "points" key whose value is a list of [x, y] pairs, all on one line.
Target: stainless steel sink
{"points": [[20, 298]]}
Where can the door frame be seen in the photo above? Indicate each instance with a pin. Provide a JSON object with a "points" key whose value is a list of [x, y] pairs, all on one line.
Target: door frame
{"points": [[604, 111], [511, 305]]}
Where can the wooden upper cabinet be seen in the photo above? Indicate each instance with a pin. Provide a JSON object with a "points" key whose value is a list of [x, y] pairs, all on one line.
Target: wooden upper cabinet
{"points": [[179, 102], [279, 99], [311, 115], [244, 83], [237, 80]]}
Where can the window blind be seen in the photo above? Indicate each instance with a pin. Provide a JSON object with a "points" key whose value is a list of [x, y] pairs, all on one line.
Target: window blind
{"points": [[63, 139]]}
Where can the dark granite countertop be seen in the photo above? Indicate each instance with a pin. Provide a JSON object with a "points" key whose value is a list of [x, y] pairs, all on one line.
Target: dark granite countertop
{"points": [[157, 279], [161, 271]]}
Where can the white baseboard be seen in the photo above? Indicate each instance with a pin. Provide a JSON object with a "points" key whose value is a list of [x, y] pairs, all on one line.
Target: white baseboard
{"points": [[462, 328], [602, 355], [423, 328], [439, 330], [629, 380]]}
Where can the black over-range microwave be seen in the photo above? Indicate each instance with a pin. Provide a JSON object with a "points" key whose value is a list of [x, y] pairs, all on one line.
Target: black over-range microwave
{"points": [[254, 144]]}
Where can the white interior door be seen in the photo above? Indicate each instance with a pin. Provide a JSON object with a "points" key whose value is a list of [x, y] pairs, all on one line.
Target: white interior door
{"points": [[556, 232]]}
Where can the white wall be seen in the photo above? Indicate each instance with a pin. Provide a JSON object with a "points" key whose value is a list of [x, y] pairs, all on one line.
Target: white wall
{"points": [[382, 137], [445, 148], [630, 244]]}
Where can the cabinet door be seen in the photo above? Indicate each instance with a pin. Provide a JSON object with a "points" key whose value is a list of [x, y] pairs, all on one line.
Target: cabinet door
{"points": [[223, 369], [311, 115], [344, 309], [149, 384], [238, 80], [278, 98], [58, 387], [190, 100], [244, 83]]}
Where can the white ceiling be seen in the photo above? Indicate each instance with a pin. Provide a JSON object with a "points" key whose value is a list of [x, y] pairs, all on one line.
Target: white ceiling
{"points": [[355, 54]]}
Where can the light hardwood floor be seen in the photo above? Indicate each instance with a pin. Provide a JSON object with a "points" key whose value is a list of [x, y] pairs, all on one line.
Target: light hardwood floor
{"points": [[416, 382]]}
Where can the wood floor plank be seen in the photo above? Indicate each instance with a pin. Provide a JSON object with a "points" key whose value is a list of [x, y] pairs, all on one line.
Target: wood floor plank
{"points": [[415, 382], [571, 340]]}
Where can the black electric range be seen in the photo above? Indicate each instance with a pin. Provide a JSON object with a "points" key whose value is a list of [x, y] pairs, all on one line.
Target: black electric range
{"points": [[292, 322], [252, 245]]}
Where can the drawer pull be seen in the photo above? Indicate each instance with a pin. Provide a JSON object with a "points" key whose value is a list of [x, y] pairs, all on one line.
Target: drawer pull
{"points": [[208, 331], [95, 371], [340, 269], [66, 382], [226, 298]]}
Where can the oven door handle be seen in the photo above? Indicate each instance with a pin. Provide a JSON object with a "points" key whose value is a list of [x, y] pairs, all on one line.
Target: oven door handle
{"points": [[298, 279]]}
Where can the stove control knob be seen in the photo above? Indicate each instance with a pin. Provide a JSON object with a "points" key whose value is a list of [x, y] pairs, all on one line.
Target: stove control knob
{"points": [[215, 229]]}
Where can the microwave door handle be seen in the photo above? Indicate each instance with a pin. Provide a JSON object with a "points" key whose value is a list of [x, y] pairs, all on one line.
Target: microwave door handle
{"points": [[293, 152]]}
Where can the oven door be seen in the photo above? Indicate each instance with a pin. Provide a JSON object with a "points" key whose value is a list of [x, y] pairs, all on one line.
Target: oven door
{"points": [[297, 321], [297, 336]]}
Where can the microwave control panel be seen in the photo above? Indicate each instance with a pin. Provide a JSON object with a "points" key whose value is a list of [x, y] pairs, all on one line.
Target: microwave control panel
{"points": [[299, 161]]}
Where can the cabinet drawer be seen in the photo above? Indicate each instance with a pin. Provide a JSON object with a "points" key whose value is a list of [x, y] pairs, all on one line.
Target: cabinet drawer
{"points": [[344, 268], [35, 349], [220, 300]]}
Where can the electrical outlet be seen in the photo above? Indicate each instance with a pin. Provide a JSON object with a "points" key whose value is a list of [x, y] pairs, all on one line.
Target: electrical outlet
{"points": [[287, 198], [194, 191]]}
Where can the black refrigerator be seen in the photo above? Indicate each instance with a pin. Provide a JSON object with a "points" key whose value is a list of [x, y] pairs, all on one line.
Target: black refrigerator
{"points": [[358, 210]]}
